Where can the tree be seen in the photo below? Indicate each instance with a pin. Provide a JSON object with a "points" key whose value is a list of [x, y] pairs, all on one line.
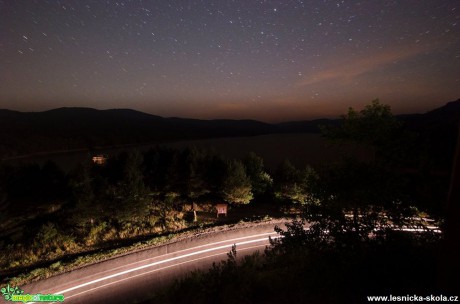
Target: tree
{"points": [[236, 186], [374, 126], [175, 172], [260, 180], [130, 192], [216, 167], [194, 180], [194, 176], [353, 200], [82, 196], [293, 184]]}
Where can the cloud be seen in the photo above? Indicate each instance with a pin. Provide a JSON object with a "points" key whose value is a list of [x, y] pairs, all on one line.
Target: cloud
{"points": [[361, 66]]}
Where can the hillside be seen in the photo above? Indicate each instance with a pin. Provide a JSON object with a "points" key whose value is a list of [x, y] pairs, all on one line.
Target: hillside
{"points": [[437, 131], [85, 128]]}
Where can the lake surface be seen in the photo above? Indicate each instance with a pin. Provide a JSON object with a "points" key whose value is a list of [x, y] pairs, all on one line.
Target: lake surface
{"points": [[300, 148]]}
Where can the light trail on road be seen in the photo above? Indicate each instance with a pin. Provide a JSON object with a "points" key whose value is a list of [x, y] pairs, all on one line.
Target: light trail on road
{"points": [[159, 269], [157, 263], [151, 269], [180, 257]]}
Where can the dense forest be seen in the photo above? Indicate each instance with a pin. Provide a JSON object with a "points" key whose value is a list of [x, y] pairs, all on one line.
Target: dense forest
{"points": [[48, 214]]}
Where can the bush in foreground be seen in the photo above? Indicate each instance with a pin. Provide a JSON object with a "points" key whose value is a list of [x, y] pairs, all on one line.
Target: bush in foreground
{"points": [[297, 272]]}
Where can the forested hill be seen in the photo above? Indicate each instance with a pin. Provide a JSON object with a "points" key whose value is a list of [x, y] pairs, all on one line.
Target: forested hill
{"points": [[62, 129], [84, 128]]}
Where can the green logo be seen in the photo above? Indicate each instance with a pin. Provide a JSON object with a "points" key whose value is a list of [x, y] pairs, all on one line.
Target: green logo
{"points": [[16, 294], [9, 292]]}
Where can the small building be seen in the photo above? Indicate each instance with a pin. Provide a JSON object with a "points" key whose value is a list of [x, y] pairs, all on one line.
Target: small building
{"points": [[99, 159], [221, 209]]}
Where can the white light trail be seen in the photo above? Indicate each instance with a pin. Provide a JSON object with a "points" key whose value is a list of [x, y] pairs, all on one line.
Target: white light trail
{"points": [[229, 244]]}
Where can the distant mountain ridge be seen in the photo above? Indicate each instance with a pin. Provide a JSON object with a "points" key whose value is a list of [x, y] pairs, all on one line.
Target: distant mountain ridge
{"points": [[87, 128]]}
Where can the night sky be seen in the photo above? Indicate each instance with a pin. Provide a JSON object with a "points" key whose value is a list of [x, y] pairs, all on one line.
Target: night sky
{"points": [[265, 60]]}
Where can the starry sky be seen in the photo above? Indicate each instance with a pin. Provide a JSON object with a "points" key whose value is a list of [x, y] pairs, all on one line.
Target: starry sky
{"points": [[266, 60]]}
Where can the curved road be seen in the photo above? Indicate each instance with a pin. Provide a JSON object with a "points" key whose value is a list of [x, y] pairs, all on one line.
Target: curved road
{"points": [[133, 277]]}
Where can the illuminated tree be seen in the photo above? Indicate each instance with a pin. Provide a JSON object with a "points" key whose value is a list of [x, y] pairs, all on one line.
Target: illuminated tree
{"points": [[293, 184], [236, 186], [260, 180]]}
